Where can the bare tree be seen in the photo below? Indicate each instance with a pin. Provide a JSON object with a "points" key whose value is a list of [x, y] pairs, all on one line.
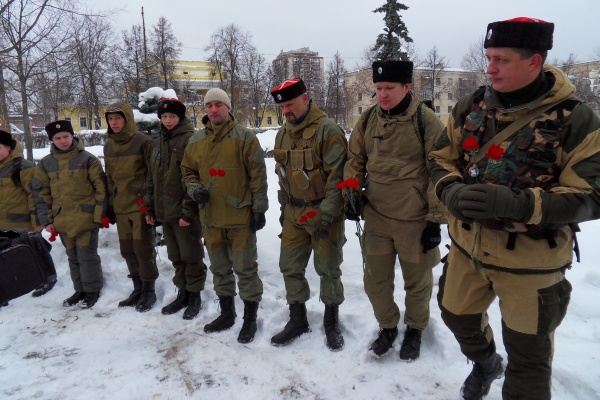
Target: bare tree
{"points": [[474, 62], [26, 26], [165, 51], [227, 48], [429, 82], [336, 100], [257, 79], [129, 62]]}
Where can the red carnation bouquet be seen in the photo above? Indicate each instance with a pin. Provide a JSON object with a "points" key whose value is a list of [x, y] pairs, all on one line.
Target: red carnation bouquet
{"points": [[346, 187]]}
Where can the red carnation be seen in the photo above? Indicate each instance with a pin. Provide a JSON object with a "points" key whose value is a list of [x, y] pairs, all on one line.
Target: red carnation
{"points": [[105, 222], [470, 144], [495, 152], [212, 172], [139, 201], [221, 172], [53, 236], [311, 214], [303, 219], [144, 209]]}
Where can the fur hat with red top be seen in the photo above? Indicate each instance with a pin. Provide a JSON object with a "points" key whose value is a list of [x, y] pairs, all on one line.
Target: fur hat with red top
{"points": [[7, 140], [520, 32], [288, 90], [171, 105], [58, 126]]}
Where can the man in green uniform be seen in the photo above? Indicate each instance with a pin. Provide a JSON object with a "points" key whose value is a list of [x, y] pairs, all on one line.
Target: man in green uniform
{"points": [[310, 152], [387, 156], [224, 171], [127, 158], [518, 168]]}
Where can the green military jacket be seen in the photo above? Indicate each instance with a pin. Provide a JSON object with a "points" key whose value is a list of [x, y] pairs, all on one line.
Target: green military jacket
{"points": [[127, 157], [310, 158], [69, 189], [166, 196], [17, 208], [386, 154], [555, 158], [241, 187]]}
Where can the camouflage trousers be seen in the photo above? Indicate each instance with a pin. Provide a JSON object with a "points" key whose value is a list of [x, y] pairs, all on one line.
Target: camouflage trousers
{"points": [[185, 251], [297, 243], [84, 262], [229, 251], [136, 240], [532, 307]]}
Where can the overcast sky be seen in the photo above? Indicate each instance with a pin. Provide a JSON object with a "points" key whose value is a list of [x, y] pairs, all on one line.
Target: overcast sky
{"points": [[350, 26]]}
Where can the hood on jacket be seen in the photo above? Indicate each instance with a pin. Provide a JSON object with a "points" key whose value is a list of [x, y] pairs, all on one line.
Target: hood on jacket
{"points": [[127, 112]]}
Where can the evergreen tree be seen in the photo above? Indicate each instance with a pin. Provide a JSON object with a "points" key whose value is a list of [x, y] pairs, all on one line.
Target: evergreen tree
{"points": [[388, 45]]}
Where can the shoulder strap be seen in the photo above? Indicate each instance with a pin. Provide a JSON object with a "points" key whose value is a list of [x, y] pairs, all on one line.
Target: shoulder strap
{"points": [[511, 129], [420, 123], [16, 171]]}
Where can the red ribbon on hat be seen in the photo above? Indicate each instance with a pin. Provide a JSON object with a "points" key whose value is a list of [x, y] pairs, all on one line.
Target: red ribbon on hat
{"points": [[526, 19]]}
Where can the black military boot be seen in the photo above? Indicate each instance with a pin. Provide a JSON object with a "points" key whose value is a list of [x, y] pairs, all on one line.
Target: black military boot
{"points": [[383, 344], [411, 345], [297, 325], [148, 297], [134, 297], [227, 317], [249, 327], [45, 287], [74, 299], [180, 302], [335, 340], [478, 383], [90, 299], [194, 306]]}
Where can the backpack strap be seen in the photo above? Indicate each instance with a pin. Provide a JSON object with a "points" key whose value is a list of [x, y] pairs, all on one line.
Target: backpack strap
{"points": [[367, 117]]}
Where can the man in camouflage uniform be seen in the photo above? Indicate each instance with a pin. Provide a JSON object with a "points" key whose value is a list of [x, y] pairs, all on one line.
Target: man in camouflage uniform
{"points": [[387, 156], [518, 169], [17, 207], [127, 158], [224, 171], [310, 152], [69, 188]]}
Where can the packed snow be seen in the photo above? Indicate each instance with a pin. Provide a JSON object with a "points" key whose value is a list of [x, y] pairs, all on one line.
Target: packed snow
{"points": [[48, 351]]}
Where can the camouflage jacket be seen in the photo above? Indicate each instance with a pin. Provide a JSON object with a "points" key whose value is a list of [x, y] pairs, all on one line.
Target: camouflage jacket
{"points": [[17, 209], [555, 157]]}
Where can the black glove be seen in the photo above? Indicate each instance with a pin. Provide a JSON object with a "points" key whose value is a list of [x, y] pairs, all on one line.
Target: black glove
{"points": [[353, 207], [431, 236], [258, 221], [451, 196], [482, 201], [201, 195], [282, 215], [322, 227]]}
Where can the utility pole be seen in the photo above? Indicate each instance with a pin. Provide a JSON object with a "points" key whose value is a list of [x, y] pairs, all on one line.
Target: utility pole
{"points": [[146, 71]]}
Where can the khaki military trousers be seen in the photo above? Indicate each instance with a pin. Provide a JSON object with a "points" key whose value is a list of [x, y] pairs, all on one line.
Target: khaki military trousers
{"points": [[185, 251], [229, 251], [297, 243], [386, 239], [136, 240], [532, 307], [84, 261]]}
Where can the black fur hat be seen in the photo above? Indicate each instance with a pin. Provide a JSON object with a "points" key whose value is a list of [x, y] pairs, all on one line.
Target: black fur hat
{"points": [[7, 140], [173, 105], [520, 32], [58, 126], [392, 71]]}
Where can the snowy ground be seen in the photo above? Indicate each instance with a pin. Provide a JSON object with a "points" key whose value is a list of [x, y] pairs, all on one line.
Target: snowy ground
{"points": [[51, 352]]}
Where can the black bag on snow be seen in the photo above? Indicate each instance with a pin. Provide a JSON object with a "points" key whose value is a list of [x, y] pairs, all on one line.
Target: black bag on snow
{"points": [[25, 263]]}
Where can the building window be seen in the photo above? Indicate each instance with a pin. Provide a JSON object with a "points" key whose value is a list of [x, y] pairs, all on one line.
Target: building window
{"points": [[360, 110], [450, 81], [258, 121], [360, 97], [438, 95], [269, 121], [68, 119], [82, 122], [449, 109], [437, 109], [97, 123], [438, 81], [450, 97]]}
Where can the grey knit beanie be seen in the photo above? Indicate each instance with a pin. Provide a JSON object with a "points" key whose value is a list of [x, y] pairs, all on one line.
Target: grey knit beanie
{"points": [[217, 94]]}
